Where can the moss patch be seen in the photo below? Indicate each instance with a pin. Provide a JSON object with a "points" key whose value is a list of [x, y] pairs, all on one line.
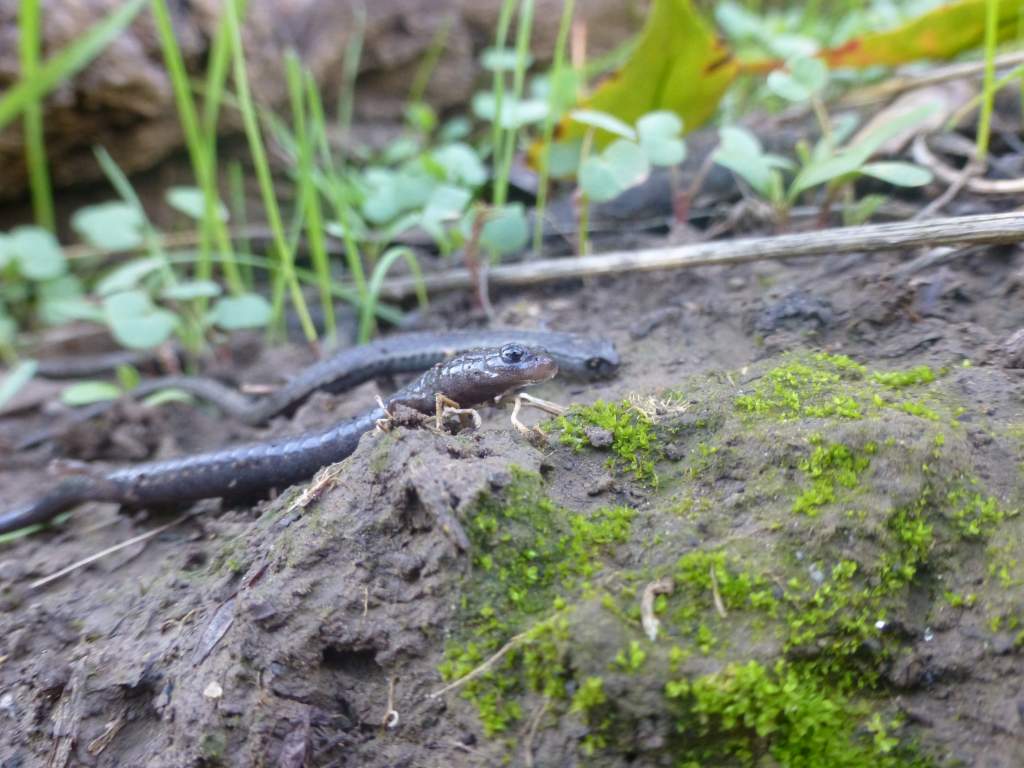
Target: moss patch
{"points": [[779, 630], [633, 440]]}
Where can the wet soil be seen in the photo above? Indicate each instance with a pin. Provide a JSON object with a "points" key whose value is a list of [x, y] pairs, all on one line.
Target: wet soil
{"points": [[289, 634]]}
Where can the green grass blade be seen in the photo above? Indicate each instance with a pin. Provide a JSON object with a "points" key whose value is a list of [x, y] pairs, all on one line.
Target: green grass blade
{"points": [[335, 184], [201, 153], [285, 256], [366, 323], [35, 145], [67, 62], [350, 70], [308, 191], [988, 89], [498, 87], [548, 131], [524, 29]]}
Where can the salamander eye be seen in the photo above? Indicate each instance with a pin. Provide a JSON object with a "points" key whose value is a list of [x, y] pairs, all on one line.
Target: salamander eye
{"points": [[512, 353], [595, 363]]}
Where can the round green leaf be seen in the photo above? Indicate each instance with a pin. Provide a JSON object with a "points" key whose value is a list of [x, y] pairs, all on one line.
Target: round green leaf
{"points": [[37, 252], [193, 289], [659, 125], [88, 392], [62, 300], [455, 129], [113, 226], [250, 310], [136, 322], [128, 275], [191, 202], [603, 121], [506, 230], [461, 164], [898, 174], [628, 162], [598, 180], [564, 158], [802, 79], [446, 204], [19, 376]]}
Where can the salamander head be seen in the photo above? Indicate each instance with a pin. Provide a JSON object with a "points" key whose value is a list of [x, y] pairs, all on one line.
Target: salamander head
{"points": [[481, 375], [522, 364]]}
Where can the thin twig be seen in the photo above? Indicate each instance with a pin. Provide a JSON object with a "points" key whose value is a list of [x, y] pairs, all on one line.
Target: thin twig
{"points": [[994, 228], [923, 155], [108, 551], [486, 665]]}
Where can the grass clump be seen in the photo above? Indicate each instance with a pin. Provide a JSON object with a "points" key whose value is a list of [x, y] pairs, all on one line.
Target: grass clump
{"points": [[633, 438]]}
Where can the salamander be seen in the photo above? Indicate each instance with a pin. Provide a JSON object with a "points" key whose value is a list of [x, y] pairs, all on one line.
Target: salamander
{"points": [[471, 378], [583, 357]]}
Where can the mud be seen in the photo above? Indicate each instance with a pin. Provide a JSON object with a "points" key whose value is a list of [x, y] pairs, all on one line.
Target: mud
{"points": [[313, 633]]}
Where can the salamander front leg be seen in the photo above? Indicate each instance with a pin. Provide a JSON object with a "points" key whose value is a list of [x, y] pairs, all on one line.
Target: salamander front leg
{"points": [[544, 405], [445, 405]]}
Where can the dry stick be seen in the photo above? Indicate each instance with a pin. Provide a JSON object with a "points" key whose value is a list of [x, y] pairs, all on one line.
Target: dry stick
{"points": [[998, 228], [486, 665], [108, 551], [923, 155], [901, 83]]}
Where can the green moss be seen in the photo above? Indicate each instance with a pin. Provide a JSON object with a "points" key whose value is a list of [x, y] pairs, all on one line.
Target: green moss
{"points": [[805, 387], [921, 374], [974, 514], [749, 711], [830, 468], [831, 387], [918, 409], [532, 557], [589, 695], [633, 438], [631, 659]]}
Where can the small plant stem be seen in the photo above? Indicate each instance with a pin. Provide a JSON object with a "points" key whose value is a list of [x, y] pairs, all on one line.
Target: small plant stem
{"points": [[285, 256], [988, 88], [335, 182], [367, 322], [350, 70], [308, 192], [240, 214], [497, 132], [544, 179], [35, 145], [821, 114], [524, 28], [201, 155], [583, 202], [426, 68]]}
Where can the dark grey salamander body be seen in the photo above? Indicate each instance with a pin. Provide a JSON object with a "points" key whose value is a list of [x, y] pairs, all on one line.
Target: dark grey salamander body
{"points": [[471, 378], [582, 357]]}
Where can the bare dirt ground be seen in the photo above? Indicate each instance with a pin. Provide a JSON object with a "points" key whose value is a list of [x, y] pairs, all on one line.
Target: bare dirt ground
{"points": [[270, 635]]}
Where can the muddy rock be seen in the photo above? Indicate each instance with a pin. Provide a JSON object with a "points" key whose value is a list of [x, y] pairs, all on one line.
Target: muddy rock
{"points": [[124, 102]]}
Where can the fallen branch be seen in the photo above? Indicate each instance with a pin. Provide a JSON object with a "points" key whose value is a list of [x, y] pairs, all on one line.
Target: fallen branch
{"points": [[968, 230]]}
